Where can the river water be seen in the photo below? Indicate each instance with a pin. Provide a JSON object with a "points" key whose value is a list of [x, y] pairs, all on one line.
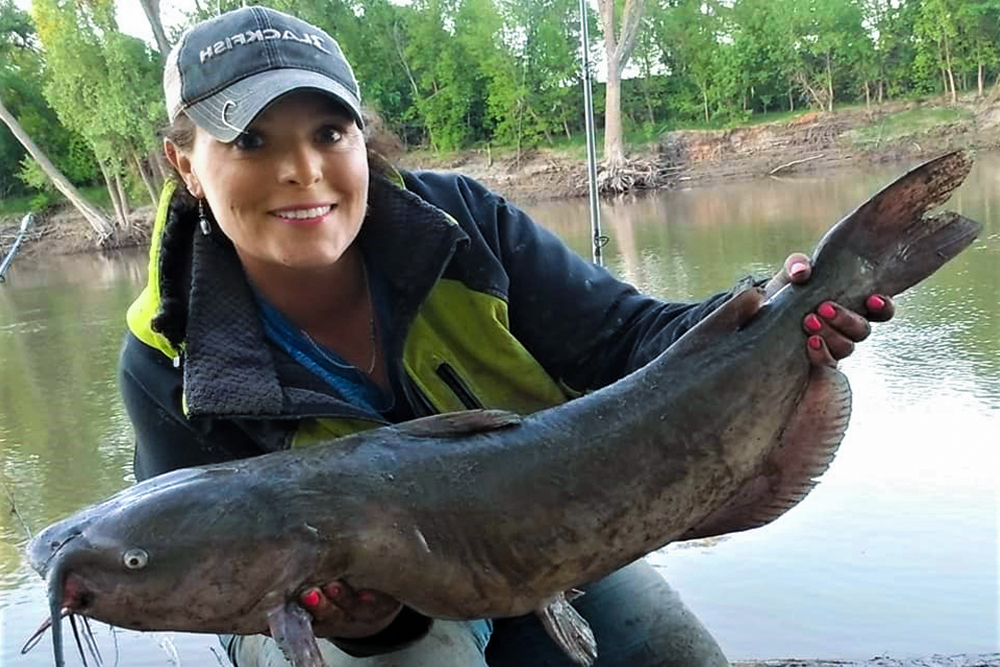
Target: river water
{"points": [[895, 553]]}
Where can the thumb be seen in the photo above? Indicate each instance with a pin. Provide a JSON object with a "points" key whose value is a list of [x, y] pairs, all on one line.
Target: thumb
{"points": [[796, 269]]}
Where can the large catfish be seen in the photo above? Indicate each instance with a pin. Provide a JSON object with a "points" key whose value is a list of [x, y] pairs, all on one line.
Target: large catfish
{"points": [[490, 514]]}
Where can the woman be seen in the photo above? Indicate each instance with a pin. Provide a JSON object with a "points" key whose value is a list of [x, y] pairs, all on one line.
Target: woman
{"points": [[300, 288]]}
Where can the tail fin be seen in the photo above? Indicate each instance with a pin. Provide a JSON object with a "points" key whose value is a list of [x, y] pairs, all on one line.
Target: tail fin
{"points": [[892, 233]]}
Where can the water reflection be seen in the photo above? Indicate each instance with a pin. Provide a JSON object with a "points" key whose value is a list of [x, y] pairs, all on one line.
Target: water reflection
{"points": [[895, 552]]}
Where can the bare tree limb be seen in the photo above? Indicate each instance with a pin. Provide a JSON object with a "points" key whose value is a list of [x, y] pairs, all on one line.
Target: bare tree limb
{"points": [[793, 163]]}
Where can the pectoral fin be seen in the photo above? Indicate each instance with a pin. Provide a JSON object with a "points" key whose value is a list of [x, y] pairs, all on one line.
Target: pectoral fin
{"points": [[806, 448], [570, 630], [291, 627]]}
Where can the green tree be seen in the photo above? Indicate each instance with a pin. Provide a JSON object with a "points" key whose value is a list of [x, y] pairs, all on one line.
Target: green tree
{"points": [[761, 52], [444, 77], [104, 85], [532, 68], [373, 37], [937, 31], [19, 73], [981, 23], [687, 32]]}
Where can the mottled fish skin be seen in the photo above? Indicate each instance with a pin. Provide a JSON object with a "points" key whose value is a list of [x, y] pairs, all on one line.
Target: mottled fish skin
{"points": [[487, 514]]}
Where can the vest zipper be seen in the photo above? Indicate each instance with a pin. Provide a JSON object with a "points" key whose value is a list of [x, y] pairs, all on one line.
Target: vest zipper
{"points": [[458, 387], [422, 407]]}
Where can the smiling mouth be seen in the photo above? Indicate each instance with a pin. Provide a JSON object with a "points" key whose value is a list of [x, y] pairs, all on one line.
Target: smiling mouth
{"points": [[304, 214]]}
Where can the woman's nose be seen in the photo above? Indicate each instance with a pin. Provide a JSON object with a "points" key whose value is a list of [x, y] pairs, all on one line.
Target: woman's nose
{"points": [[300, 165]]}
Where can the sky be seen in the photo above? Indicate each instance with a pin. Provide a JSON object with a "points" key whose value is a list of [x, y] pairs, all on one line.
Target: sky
{"points": [[132, 20]]}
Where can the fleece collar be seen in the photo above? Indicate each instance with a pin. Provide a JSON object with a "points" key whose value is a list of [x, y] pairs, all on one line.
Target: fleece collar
{"points": [[229, 369]]}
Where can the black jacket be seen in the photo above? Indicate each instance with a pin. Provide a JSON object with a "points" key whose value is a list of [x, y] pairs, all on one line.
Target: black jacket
{"points": [[230, 393]]}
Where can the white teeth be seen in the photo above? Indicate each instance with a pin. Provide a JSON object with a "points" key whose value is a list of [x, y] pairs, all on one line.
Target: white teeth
{"points": [[303, 214]]}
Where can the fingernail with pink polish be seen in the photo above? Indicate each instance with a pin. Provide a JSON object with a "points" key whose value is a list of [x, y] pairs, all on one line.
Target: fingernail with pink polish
{"points": [[827, 311], [310, 598], [815, 342], [813, 323], [797, 269], [875, 302]]}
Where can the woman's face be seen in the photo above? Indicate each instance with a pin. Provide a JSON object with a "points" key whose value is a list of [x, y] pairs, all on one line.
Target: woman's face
{"points": [[289, 192]]}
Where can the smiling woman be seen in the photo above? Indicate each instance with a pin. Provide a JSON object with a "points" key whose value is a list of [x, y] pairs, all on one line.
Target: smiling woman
{"points": [[290, 192], [328, 292]]}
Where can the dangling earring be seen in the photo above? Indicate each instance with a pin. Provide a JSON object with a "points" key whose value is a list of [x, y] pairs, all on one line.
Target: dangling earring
{"points": [[206, 226]]}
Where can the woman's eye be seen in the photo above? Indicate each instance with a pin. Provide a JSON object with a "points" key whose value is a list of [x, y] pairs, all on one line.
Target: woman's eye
{"points": [[329, 135], [247, 141]]}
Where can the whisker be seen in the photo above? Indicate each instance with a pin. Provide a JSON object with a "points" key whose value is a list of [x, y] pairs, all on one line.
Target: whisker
{"points": [[34, 639], [114, 634], [88, 634], [76, 636]]}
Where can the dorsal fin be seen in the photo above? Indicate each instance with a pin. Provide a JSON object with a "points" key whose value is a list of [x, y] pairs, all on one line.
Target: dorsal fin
{"points": [[459, 423]]}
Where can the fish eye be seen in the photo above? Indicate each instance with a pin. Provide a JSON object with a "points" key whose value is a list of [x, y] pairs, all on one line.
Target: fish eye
{"points": [[135, 559]]}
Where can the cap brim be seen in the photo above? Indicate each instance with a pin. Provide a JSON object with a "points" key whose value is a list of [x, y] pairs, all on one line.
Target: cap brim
{"points": [[228, 113]]}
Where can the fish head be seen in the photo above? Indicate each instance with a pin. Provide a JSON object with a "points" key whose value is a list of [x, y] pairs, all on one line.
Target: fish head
{"points": [[174, 553]]}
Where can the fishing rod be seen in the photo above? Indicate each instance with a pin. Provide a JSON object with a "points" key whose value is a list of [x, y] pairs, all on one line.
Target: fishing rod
{"points": [[588, 106], [25, 223]]}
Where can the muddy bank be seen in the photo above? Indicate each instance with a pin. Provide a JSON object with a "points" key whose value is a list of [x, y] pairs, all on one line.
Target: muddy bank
{"points": [[810, 143], [989, 660]]}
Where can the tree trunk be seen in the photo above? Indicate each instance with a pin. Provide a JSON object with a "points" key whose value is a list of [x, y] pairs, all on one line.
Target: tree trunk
{"points": [[123, 199], [618, 48], [152, 9], [951, 81], [979, 79], [147, 179], [97, 220], [157, 160], [829, 83], [815, 93], [112, 194], [704, 102]]}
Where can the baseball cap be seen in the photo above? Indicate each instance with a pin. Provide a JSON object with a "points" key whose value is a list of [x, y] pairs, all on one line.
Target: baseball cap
{"points": [[223, 72]]}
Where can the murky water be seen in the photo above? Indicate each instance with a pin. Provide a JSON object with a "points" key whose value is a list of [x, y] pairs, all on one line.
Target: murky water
{"points": [[894, 553]]}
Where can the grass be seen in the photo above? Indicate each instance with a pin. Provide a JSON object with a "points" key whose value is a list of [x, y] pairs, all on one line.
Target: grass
{"points": [[907, 123], [16, 206], [43, 201]]}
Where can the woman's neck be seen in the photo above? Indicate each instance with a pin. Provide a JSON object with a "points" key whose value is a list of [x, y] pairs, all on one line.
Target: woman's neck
{"points": [[313, 298]]}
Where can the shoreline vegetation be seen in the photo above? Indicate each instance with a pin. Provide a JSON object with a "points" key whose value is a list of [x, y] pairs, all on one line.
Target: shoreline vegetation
{"points": [[809, 142]]}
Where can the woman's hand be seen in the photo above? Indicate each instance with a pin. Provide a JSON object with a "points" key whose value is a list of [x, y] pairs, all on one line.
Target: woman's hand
{"points": [[832, 330], [340, 611]]}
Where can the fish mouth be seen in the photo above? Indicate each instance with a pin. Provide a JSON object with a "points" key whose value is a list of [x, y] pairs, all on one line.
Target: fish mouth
{"points": [[68, 598]]}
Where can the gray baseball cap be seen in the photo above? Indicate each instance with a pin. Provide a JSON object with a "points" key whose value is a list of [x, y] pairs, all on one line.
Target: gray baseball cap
{"points": [[224, 71]]}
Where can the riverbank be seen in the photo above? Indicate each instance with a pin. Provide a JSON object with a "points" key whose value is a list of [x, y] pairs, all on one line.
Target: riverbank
{"points": [[810, 143], [989, 660]]}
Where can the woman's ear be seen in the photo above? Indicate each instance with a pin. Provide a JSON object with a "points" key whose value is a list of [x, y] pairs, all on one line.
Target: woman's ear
{"points": [[182, 163]]}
